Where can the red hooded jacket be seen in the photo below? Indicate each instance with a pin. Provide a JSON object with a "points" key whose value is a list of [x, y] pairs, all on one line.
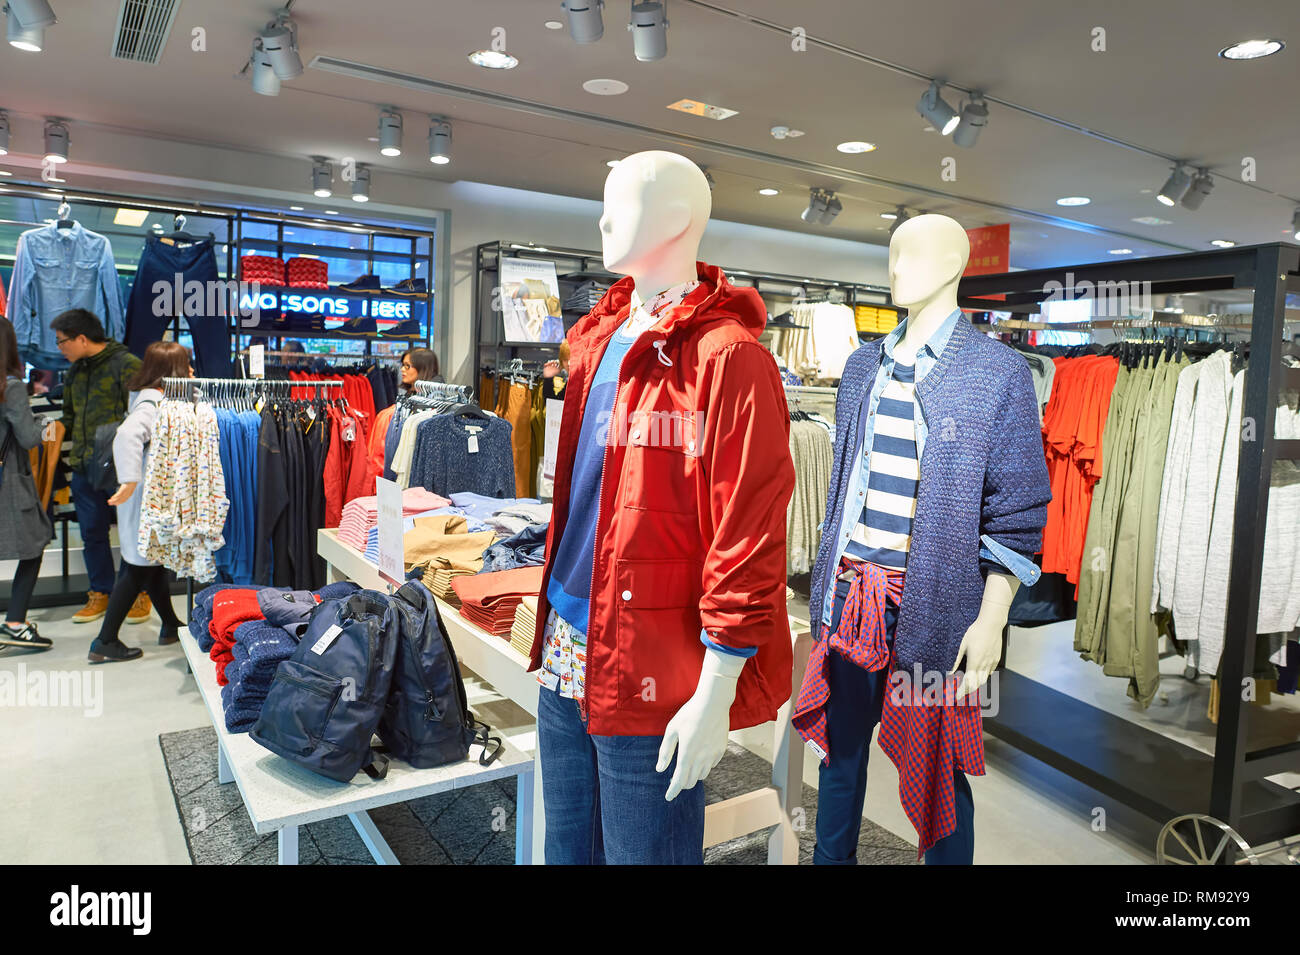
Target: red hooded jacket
{"points": [[692, 519]]}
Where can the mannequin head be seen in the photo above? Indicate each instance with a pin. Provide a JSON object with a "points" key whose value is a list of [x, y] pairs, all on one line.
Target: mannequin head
{"points": [[927, 256], [656, 207]]}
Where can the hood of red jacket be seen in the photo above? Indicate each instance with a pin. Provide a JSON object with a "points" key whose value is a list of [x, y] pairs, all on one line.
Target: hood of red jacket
{"points": [[715, 298]]}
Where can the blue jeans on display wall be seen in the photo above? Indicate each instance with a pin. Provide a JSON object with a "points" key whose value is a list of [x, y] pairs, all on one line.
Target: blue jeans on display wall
{"points": [[852, 713], [605, 802], [162, 261], [94, 515]]}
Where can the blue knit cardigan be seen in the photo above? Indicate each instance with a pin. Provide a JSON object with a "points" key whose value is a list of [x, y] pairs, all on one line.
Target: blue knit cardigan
{"points": [[982, 472]]}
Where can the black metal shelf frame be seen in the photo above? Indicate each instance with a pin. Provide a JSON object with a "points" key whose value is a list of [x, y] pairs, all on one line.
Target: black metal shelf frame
{"points": [[1155, 774]]}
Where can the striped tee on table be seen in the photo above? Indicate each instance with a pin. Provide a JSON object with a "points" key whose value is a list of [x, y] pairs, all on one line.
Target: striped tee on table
{"points": [[883, 534]]}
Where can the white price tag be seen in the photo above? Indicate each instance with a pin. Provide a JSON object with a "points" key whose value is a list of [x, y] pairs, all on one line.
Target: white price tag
{"points": [[473, 444], [257, 361], [326, 638]]}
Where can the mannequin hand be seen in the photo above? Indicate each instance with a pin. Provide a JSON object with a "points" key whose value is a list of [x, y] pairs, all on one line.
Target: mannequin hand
{"points": [[982, 643], [701, 725], [123, 492]]}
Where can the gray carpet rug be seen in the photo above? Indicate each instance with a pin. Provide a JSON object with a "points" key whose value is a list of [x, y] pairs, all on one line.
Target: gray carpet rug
{"points": [[446, 829]]}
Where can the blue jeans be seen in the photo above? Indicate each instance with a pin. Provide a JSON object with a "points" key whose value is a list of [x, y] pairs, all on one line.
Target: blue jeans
{"points": [[605, 802], [852, 713], [161, 262], [94, 515]]}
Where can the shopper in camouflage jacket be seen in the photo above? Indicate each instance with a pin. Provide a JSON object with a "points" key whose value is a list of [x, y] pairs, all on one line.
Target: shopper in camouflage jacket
{"points": [[94, 394]]}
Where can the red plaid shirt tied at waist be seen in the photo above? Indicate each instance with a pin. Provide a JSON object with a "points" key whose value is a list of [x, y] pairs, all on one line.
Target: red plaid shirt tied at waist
{"points": [[927, 734]]}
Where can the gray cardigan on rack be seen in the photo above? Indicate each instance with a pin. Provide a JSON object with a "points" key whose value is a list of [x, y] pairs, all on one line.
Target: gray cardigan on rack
{"points": [[24, 526]]}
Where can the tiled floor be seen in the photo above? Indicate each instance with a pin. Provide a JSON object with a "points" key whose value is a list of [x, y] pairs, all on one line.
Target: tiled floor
{"points": [[85, 783]]}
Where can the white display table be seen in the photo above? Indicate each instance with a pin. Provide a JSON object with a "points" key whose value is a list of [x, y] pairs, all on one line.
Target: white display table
{"points": [[280, 796], [497, 663]]}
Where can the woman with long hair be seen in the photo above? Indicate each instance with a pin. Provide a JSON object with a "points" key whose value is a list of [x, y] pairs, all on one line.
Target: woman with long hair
{"points": [[25, 528], [419, 364], [130, 459]]}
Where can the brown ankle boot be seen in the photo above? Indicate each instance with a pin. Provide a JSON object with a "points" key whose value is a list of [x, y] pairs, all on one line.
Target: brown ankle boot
{"points": [[96, 604]]}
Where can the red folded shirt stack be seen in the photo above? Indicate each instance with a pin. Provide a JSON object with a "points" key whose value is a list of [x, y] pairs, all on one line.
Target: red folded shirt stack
{"points": [[230, 608], [261, 268], [306, 272], [489, 600]]}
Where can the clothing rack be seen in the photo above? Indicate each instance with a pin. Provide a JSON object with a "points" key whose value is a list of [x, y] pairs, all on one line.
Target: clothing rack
{"points": [[443, 392], [333, 357], [186, 389], [1159, 776]]}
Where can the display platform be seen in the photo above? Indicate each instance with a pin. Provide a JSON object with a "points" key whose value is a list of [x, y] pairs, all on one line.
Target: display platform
{"points": [[281, 796]]}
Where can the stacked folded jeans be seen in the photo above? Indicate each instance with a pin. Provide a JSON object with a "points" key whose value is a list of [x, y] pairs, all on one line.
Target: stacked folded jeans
{"points": [[525, 549], [586, 296], [490, 600], [513, 518]]}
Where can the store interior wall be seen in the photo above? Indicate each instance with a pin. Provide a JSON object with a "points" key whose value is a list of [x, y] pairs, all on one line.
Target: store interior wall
{"points": [[128, 162]]}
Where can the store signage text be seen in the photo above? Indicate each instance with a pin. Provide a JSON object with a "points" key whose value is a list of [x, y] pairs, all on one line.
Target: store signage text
{"points": [[336, 306]]}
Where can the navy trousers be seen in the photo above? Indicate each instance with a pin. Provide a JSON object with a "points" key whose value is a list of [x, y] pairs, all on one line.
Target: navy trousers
{"points": [[852, 713]]}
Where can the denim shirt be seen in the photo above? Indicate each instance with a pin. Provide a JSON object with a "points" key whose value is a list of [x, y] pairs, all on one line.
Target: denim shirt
{"points": [[56, 270], [926, 357]]}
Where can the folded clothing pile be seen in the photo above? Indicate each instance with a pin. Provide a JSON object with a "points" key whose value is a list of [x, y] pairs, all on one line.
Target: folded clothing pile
{"points": [[439, 580], [276, 606], [482, 507], [261, 268], [258, 649], [444, 541], [201, 615], [521, 634], [513, 518], [586, 296], [525, 549], [304, 272], [490, 600], [362, 513]]}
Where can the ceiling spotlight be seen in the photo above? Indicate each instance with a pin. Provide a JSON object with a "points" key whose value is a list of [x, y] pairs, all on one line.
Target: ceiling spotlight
{"points": [[1198, 190], [900, 216], [22, 35], [974, 117], [649, 28], [439, 140], [1295, 224], [934, 109], [856, 146], [280, 44], [1251, 49], [322, 178], [56, 142], [1073, 201], [817, 205], [769, 191], [833, 208], [361, 184], [585, 23], [265, 80], [4, 134], [493, 59], [390, 133], [611, 163], [1222, 243], [1175, 186]]}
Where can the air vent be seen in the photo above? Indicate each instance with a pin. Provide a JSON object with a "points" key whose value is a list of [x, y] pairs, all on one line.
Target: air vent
{"points": [[142, 29]]}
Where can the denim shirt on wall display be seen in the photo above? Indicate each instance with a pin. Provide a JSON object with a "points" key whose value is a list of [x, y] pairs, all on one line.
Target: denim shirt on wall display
{"points": [[55, 270], [926, 357]]}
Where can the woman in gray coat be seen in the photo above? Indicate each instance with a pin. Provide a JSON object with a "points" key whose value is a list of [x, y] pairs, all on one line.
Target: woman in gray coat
{"points": [[24, 526]]}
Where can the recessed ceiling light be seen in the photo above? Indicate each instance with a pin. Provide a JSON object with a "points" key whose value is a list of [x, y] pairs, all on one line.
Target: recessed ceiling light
{"points": [[768, 191], [856, 146], [493, 59], [131, 217], [889, 215], [1121, 251], [605, 87], [1151, 220], [1223, 243], [554, 25], [696, 108], [5, 172], [295, 208], [611, 163], [372, 139], [1073, 201], [288, 232], [1251, 49], [331, 212], [1144, 192]]}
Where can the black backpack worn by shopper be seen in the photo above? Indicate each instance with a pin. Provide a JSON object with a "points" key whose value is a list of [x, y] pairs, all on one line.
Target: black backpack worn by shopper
{"points": [[103, 471], [427, 721], [326, 700]]}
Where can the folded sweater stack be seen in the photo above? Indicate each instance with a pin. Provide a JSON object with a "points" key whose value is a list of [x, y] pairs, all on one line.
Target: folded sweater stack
{"points": [[362, 513], [258, 649], [521, 634]]}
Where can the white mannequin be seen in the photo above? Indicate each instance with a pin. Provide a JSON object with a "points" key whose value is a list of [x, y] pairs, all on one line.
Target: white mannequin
{"points": [[927, 256], [656, 207]]}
